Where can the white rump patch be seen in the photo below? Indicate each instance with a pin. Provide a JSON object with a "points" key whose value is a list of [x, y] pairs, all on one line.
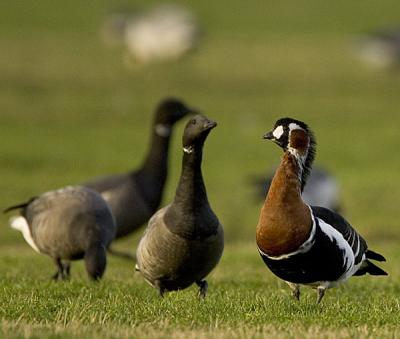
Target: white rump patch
{"points": [[106, 195], [20, 224], [162, 130], [277, 133]]}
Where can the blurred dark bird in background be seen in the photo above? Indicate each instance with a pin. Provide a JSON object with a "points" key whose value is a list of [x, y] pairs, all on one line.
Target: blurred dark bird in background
{"points": [[161, 34], [68, 224], [380, 49], [321, 189], [135, 196]]}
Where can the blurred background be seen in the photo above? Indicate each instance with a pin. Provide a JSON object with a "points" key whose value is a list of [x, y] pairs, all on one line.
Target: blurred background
{"points": [[77, 98]]}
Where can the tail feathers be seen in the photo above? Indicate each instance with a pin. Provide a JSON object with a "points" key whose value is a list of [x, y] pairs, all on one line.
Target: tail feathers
{"points": [[374, 256], [370, 268], [19, 206]]}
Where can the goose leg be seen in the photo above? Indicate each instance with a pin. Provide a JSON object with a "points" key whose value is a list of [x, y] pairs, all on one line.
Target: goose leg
{"points": [[295, 290], [161, 289], [66, 270], [203, 288], [95, 261], [60, 269], [320, 293]]}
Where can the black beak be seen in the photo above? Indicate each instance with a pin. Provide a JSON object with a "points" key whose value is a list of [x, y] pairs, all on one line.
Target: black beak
{"points": [[209, 124], [269, 136]]}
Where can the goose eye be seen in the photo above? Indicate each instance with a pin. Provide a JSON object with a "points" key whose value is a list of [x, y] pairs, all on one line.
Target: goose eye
{"points": [[193, 122]]}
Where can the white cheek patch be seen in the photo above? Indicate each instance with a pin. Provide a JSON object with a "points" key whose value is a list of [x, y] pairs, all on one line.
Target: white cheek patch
{"points": [[277, 133]]}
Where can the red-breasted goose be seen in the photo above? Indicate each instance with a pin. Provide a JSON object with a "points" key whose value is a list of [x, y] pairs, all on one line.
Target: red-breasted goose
{"points": [[68, 224], [183, 241], [304, 244], [135, 196]]}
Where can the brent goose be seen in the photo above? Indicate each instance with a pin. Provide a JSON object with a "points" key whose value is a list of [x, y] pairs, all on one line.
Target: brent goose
{"points": [[68, 224], [135, 196], [183, 241]]}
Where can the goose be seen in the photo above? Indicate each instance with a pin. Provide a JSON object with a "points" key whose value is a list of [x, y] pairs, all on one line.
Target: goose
{"points": [[67, 224], [303, 244], [184, 240], [135, 196], [380, 49], [161, 34]]}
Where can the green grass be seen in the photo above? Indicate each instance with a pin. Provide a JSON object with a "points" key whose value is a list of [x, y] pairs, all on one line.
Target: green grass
{"points": [[71, 111]]}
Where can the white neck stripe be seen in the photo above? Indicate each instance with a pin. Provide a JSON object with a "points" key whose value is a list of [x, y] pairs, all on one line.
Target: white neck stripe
{"points": [[188, 149], [162, 130]]}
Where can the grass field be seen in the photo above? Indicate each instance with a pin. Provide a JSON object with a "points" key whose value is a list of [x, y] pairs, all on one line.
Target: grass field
{"points": [[70, 111]]}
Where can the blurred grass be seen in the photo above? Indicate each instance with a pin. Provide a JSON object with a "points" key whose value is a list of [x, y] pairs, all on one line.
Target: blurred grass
{"points": [[70, 111]]}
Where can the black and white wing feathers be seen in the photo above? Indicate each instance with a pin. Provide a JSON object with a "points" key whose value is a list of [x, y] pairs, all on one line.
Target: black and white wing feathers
{"points": [[357, 243]]}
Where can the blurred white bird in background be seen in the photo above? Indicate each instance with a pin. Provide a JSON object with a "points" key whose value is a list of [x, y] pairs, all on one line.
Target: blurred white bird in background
{"points": [[161, 34], [380, 49]]}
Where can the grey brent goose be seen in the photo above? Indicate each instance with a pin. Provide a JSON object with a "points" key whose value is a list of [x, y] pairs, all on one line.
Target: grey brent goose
{"points": [[135, 196], [183, 241], [68, 224]]}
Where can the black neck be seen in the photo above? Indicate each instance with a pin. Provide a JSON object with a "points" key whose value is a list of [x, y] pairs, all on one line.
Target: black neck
{"points": [[156, 161], [151, 177], [191, 190], [190, 215]]}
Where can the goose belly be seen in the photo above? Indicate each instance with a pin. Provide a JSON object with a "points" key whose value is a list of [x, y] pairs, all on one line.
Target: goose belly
{"points": [[178, 262], [329, 259]]}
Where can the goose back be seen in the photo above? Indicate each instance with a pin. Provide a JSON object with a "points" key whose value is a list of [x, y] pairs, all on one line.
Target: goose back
{"points": [[66, 222]]}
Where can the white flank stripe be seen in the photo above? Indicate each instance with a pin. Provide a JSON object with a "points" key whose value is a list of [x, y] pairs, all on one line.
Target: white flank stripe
{"points": [[358, 246], [106, 195], [348, 256], [20, 224]]}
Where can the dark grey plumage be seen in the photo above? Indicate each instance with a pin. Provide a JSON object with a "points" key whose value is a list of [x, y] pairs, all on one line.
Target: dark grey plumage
{"points": [[184, 240], [135, 196], [68, 224]]}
